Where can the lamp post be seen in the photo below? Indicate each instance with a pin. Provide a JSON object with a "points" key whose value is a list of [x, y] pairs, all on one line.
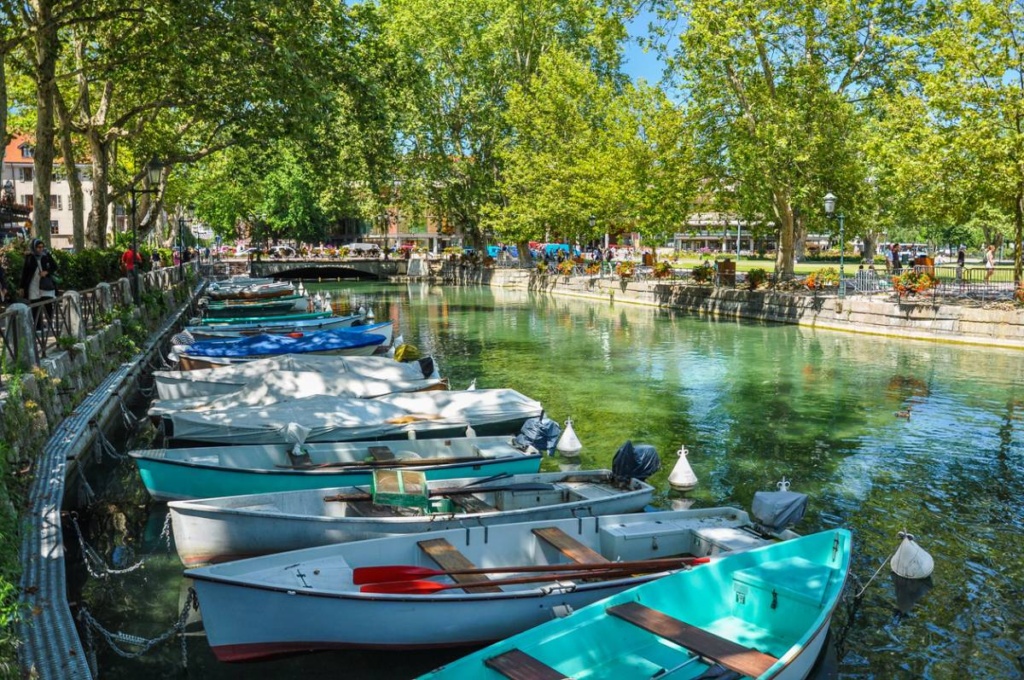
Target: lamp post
{"points": [[830, 211], [154, 169]]}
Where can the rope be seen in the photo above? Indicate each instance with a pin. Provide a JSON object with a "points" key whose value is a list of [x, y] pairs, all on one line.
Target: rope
{"points": [[130, 421], [858, 595], [143, 645]]}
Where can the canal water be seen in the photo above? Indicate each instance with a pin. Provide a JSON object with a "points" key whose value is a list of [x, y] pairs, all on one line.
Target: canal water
{"points": [[753, 403]]}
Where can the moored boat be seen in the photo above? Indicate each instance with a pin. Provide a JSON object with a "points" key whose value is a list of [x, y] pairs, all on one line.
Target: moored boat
{"points": [[230, 378], [318, 604], [249, 290], [204, 472], [275, 318], [274, 306], [333, 419], [278, 326], [230, 527], [358, 341], [760, 614]]}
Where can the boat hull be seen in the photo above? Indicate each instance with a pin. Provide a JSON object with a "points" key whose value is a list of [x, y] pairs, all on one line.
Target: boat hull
{"points": [[209, 332], [220, 529], [316, 607], [202, 473]]}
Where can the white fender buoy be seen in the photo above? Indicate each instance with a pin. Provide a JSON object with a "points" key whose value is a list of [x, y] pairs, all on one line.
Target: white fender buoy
{"points": [[470, 432], [910, 560], [569, 444], [362, 311], [682, 477], [683, 503], [412, 434], [472, 385], [370, 315]]}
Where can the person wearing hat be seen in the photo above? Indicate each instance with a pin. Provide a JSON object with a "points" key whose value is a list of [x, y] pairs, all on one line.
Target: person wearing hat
{"points": [[37, 282]]}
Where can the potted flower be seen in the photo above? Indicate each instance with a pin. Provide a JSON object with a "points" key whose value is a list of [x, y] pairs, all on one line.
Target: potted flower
{"points": [[662, 270], [703, 273], [593, 268], [625, 269], [822, 278], [912, 281], [565, 267]]}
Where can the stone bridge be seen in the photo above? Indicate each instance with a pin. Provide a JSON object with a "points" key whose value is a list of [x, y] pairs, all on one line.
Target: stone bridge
{"points": [[318, 269]]}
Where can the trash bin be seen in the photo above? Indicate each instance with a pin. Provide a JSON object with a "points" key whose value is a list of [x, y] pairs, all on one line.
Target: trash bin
{"points": [[726, 273], [925, 265]]}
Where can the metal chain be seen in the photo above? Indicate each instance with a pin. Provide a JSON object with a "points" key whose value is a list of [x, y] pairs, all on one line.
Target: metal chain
{"points": [[143, 645], [92, 557], [130, 421], [106, 447]]}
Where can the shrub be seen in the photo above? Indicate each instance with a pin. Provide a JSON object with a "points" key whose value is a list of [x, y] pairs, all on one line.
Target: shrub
{"points": [[662, 270], [756, 277], [912, 281], [828, 276], [703, 273]]}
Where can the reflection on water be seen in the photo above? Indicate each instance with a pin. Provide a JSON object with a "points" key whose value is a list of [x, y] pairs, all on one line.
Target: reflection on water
{"points": [[752, 403]]}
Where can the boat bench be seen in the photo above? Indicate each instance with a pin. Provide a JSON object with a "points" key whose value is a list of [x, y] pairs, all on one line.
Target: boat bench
{"points": [[569, 546], [471, 503], [729, 654], [518, 665], [448, 557]]}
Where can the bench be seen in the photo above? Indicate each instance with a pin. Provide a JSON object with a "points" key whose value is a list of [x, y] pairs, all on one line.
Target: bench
{"points": [[518, 665], [471, 503], [729, 654], [569, 546], [449, 558]]}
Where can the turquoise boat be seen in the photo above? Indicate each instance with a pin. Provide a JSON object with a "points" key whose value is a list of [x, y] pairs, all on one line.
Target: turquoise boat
{"points": [[277, 318], [236, 308], [205, 472], [762, 613]]}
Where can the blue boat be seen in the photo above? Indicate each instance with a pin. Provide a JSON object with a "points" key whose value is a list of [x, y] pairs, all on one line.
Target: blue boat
{"points": [[276, 326], [348, 342], [760, 614]]}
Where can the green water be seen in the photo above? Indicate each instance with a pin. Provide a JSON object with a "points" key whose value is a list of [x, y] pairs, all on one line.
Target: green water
{"points": [[752, 403]]}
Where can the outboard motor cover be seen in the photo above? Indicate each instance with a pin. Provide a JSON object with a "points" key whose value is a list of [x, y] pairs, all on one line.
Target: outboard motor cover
{"points": [[541, 433], [635, 462], [778, 510]]}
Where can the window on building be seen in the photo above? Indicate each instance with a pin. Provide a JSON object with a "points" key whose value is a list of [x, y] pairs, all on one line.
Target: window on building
{"points": [[26, 174], [27, 199], [27, 151], [56, 202], [54, 227]]}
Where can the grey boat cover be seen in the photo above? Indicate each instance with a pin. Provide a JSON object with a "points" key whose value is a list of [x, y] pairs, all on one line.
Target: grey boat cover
{"points": [[229, 379], [777, 510], [327, 419], [285, 385]]}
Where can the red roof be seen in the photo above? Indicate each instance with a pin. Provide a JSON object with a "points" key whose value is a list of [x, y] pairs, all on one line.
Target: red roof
{"points": [[13, 153]]}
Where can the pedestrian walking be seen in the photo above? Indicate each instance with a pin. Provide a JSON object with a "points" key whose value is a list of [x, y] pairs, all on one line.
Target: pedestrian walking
{"points": [[961, 256], [37, 282], [897, 266], [990, 262]]}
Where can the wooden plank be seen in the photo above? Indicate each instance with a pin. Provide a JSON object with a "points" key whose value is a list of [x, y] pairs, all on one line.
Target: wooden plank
{"points": [[381, 453], [727, 653], [471, 503], [449, 558], [518, 665], [569, 546]]}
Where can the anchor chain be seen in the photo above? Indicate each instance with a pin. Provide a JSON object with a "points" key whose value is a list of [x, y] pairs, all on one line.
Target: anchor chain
{"points": [[142, 645], [93, 559]]}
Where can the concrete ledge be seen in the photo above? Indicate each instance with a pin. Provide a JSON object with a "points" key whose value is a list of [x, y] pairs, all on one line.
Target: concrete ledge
{"points": [[872, 315]]}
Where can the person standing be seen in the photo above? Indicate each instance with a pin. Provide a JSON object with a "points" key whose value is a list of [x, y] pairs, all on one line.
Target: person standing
{"points": [[990, 262], [37, 283], [961, 256], [897, 266]]}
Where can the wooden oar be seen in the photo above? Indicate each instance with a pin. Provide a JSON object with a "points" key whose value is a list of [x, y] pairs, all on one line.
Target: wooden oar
{"points": [[451, 491], [398, 462], [428, 587], [400, 572]]}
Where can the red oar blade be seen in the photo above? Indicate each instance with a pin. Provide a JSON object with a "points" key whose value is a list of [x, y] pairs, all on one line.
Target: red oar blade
{"points": [[406, 587], [393, 572]]}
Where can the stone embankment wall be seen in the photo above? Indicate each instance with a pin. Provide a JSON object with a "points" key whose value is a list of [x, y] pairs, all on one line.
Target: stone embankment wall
{"points": [[882, 314]]}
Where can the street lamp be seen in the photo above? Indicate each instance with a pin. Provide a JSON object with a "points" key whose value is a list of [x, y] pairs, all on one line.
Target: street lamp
{"points": [[830, 212], [153, 169]]}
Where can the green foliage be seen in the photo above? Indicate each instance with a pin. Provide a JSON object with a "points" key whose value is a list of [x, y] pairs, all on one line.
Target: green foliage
{"points": [[703, 273], [756, 277]]}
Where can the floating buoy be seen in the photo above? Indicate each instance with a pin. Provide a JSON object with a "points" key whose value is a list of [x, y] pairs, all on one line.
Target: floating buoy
{"points": [[362, 311], [682, 477], [569, 444], [683, 503], [412, 434], [472, 385], [910, 560], [470, 432], [370, 315]]}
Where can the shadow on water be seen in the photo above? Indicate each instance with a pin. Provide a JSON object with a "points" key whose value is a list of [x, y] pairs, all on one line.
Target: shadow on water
{"points": [[752, 403]]}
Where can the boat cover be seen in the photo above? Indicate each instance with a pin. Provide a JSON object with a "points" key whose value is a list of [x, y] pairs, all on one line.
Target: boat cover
{"points": [[777, 510], [344, 418], [541, 433], [267, 344], [638, 461], [279, 386], [231, 378]]}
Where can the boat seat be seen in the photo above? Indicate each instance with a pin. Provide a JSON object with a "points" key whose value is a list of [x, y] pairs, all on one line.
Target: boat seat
{"points": [[471, 503], [518, 665], [726, 653], [569, 546], [382, 453], [448, 557]]}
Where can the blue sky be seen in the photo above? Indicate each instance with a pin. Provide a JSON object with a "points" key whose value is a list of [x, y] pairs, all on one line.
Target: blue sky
{"points": [[639, 64]]}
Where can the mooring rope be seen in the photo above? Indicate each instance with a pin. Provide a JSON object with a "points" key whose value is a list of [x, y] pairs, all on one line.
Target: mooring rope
{"points": [[858, 595], [92, 558]]}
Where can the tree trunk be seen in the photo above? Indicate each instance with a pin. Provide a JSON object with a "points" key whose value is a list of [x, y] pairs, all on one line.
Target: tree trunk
{"points": [[784, 252], [67, 150], [5, 138], [45, 58], [97, 228], [1018, 234]]}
